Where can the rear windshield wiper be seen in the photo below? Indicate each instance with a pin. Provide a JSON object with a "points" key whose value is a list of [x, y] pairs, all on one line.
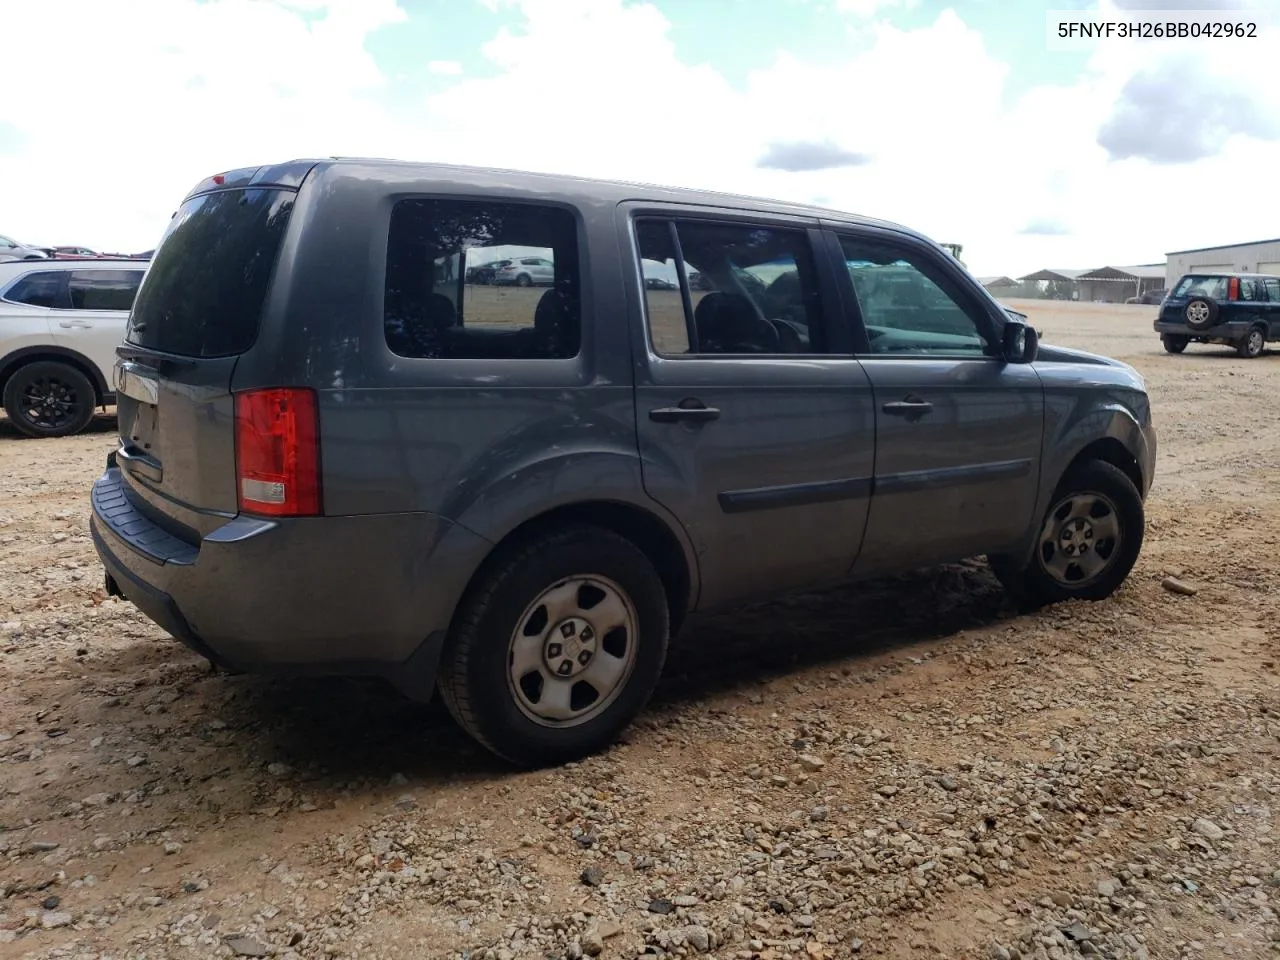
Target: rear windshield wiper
{"points": [[128, 351]]}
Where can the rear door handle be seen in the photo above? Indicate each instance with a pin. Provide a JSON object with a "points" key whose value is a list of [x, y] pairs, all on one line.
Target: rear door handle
{"points": [[912, 409], [684, 414], [78, 324]]}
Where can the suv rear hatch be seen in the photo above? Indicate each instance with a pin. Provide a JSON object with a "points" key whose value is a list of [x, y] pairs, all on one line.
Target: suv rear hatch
{"points": [[198, 310]]}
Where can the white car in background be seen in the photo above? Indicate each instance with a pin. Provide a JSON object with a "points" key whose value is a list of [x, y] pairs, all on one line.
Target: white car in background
{"points": [[60, 324], [526, 272], [13, 250]]}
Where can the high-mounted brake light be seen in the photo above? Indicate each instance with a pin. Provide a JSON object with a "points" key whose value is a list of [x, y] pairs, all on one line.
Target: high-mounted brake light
{"points": [[1233, 288], [218, 179], [278, 452]]}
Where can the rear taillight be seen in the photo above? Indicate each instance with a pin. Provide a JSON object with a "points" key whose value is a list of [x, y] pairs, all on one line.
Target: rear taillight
{"points": [[1233, 288], [278, 452]]}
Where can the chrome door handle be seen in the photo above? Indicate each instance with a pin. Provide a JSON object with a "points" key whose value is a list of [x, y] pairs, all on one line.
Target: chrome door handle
{"points": [[685, 414], [911, 409]]}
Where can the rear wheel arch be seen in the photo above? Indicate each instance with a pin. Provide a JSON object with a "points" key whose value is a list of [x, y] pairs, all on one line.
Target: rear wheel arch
{"points": [[653, 536], [15, 361]]}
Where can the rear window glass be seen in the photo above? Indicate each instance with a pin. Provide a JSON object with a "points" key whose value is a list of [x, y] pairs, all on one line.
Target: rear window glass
{"points": [[40, 290], [103, 289], [480, 280], [1214, 288], [204, 292]]}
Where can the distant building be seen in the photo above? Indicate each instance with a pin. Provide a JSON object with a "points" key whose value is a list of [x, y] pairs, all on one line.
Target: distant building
{"points": [[1053, 284], [1262, 256], [1053, 274], [998, 284], [1118, 284]]}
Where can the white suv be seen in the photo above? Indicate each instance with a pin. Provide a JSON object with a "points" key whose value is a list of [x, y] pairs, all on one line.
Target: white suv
{"points": [[60, 323]]}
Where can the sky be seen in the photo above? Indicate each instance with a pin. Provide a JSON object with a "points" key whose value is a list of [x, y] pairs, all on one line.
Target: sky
{"points": [[959, 119]]}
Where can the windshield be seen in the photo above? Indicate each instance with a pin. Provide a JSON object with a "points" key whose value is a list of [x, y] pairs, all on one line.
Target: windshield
{"points": [[1214, 288], [204, 293]]}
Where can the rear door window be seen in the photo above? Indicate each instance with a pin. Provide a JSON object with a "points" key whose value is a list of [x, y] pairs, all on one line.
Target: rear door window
{"points": [[1273, 290], [204, 293], [103, 289], [438, 304], [44, 289]]}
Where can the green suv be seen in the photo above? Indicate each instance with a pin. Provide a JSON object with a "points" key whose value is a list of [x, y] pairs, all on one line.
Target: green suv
{"points": [[1236, 309]]}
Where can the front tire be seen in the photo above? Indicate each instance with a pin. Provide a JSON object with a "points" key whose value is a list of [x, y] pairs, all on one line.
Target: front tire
{"points": [[524, 280], [1088, 542], [49, 399], [557, 647], [1174, 344], [1253, 344]]}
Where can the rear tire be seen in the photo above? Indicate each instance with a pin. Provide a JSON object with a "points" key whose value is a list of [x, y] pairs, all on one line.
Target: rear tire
{"points": [[535, 667], [49, 399], [1174, 344], [1088, 540], [1254, 342]]}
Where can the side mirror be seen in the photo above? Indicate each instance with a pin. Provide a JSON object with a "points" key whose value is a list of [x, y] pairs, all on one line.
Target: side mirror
{"points": [[1020, 342]]}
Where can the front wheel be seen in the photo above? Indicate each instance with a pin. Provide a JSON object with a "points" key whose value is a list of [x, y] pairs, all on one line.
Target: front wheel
{"points": [[49, 399], [1088, 542], [524, 280], [1174, 344], [557, 648], [1253, 344]]}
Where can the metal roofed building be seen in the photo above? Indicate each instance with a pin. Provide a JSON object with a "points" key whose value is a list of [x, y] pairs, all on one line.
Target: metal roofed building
{"points": [[1117, 284], [1053, 284], [1262, 256]]}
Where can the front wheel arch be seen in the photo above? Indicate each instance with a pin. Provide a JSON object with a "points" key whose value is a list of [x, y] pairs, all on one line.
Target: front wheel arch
{"points": [[1112, 451], [15, 361], [1126, 455], [1031, 584]]}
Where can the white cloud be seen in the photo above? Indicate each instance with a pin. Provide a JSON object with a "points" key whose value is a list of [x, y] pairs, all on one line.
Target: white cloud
{"points": [[596, 88], [870, 8], [146, 97]]}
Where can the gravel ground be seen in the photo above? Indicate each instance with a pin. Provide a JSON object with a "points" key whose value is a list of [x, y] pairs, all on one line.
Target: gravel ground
{"points": [[901, 769]]}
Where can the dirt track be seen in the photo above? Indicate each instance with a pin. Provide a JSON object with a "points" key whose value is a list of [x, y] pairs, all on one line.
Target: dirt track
{"points": [[896, 770]]}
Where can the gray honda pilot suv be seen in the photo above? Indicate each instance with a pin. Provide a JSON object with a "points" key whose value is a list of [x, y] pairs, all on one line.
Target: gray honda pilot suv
{"points": [[338, 455]]}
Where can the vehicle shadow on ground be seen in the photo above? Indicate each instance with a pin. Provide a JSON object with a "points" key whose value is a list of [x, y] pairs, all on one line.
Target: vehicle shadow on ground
{"points": [[101, 423], [1211, 353], [349, 731]]}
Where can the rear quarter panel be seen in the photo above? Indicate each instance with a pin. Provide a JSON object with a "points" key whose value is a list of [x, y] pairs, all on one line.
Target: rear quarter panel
{"points": [[22, 328], [488, 444]]}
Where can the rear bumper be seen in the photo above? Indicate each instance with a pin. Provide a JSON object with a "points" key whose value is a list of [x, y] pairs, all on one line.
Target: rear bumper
{"points": [[1230, 331], [350, 595]]}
